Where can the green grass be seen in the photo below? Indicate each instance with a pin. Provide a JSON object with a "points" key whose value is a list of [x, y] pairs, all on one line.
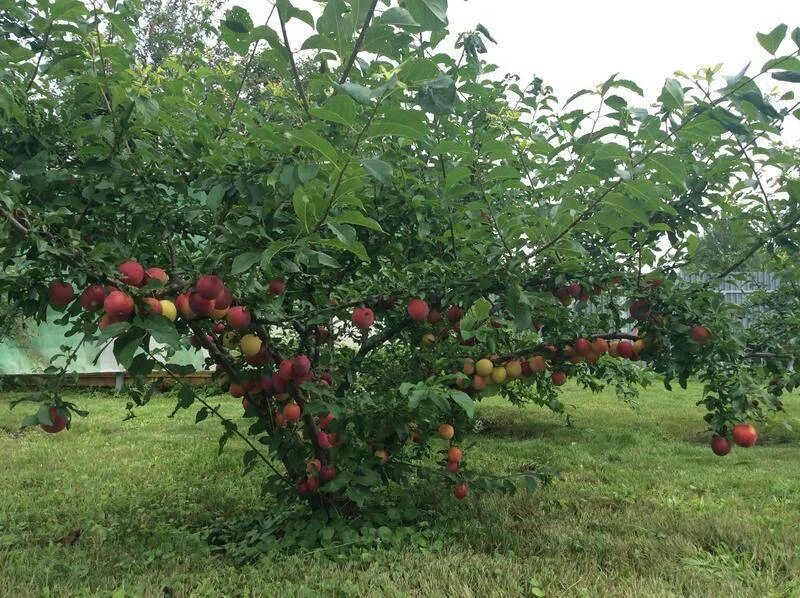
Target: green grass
{"points": [[643, 509]]}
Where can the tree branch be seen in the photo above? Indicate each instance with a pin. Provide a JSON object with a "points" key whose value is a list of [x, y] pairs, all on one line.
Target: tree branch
{"points": [[298, 84], [352, 59]]}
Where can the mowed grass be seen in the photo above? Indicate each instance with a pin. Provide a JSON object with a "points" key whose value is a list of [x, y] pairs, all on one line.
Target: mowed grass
{"points": [[643, 508]]}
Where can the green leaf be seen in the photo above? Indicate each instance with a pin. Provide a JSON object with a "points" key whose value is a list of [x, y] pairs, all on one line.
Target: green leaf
{"points": [[796, 36], [397, 16], [430, 14], [304, 209], [126, 345], [672, 95], [245, 261], [475, 315], [770, 41], [161, 329], [361, 94], [464, 401], [790, 76], [339, 109], [308, 138], [378, 169], [438, 95], [400, 123], [113, 330], [670, 167], [355, 247], [358, 219], [273, 249]]}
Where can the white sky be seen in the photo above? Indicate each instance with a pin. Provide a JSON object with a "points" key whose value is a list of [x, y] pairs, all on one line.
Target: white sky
{"points": [[574, 44]]}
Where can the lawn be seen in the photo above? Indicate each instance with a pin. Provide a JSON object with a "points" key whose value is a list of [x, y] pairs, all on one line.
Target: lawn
{"points": [[643, 508]]}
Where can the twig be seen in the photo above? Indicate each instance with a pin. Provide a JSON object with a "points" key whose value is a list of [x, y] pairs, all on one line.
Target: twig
{"points": [[352, 59], [298, 84]]}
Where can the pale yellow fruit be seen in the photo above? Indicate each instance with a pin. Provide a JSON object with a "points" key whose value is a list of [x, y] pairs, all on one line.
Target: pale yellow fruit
{"points": [[250, 345], [484, 368], [428, 340], [168, 310], [514, 369], [219, 314], [499, 375]]}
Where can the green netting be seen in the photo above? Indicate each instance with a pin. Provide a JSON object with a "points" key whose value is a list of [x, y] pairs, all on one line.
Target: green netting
{"points": [[30, 347]]}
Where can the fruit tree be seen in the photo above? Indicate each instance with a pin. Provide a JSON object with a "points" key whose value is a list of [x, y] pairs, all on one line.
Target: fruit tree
{"points": [[381, 232]]}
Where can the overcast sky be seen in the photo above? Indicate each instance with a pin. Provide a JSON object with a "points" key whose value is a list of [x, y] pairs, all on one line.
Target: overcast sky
{"points": [[573, 44]]}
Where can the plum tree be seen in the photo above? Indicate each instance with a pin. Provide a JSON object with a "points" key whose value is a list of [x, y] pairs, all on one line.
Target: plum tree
{"points": [[392, 236]]}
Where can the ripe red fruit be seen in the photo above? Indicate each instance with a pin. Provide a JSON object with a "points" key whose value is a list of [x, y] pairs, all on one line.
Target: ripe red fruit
{"points": [[325, 421], [583, 347], [575, 289], [745, 435], [455, 455], [118, 305], [280, 420], [599, 346], [60, 294], [434, 316], [223, 299], [302, 487], [526, 369], [260, 359], [563, 295], [452, 466], [278, 384], [625, 350], [292, 412], [313, 466], [324, 441], [182, 304], [132, 273], [301, 366], [312, 484], [327, 473], [200, 305], [156, 274], [246, 404], [239, 318], [276, 286], [326, 377], [363, 318], [236, 390], [152, 306], [59, 421], [478, 383], [285, 370], [720, 445], [219, 328], [537, 364], [106, 321], [454, 313], [461, 491], [640, 309], [418, 310], [209, 286], [92, 297], [558, 378], [701, 334]]}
